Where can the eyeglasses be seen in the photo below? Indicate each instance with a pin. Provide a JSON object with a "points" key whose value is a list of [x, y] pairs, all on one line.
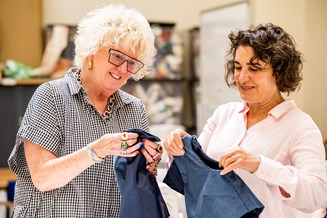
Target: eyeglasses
{"points": [[117, 58]]}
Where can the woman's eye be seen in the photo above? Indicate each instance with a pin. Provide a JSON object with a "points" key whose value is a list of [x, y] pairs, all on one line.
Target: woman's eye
{"points": [[131, 63], [253, 69], [118, 56]]}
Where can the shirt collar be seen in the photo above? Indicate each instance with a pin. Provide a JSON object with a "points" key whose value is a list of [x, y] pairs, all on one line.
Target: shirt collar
{"points": [[282, 108], [74, 85], [276, 112], [122, 98]]}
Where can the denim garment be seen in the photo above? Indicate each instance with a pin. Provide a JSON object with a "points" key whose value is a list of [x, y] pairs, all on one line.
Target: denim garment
{"points": [[207, 193], [141, 196]]}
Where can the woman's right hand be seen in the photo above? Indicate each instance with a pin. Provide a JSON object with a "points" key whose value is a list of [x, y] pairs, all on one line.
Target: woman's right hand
{"points": [[112, 144], [173, 143]]}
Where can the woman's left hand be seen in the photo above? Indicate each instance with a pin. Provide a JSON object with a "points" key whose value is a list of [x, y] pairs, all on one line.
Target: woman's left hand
{"points": [[239, 158]]}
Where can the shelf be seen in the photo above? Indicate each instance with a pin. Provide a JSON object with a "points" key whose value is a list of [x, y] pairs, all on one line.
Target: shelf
{"points": [[14, 82]]}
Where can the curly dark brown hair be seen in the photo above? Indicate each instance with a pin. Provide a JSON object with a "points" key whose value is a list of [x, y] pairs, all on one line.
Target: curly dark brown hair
{"points": [[272, 45]]}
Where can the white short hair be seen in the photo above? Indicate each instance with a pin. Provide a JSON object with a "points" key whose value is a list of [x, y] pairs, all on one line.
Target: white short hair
{"points": [[114, 25]]}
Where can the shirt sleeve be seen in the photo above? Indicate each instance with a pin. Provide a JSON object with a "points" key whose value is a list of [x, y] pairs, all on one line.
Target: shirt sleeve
{"points": [[40, 124], [305, 180]]}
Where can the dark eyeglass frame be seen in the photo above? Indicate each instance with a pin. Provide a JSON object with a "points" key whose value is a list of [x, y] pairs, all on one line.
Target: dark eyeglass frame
{"points": [[125, 58]]}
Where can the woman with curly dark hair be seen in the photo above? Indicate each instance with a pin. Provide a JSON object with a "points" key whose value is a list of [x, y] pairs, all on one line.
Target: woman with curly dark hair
{"points": [[267, 140]]}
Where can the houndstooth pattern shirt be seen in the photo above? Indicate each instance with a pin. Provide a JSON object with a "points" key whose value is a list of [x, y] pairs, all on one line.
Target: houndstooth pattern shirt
{"points": [[61, 118]]}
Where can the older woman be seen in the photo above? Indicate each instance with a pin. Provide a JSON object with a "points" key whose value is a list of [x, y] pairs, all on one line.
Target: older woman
{"points": [[63, 156], [274, 147]]}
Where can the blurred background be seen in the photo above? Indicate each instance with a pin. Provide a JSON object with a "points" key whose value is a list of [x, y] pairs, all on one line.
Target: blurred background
{"points": [[191, 37]]}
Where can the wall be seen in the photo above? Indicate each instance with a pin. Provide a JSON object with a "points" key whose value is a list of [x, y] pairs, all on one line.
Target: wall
{"points": [[184, 13], [21, 31], [315, 47]]}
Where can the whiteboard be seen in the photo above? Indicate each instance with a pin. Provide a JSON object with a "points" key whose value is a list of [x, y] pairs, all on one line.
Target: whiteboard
{"points": [[215, 26]]}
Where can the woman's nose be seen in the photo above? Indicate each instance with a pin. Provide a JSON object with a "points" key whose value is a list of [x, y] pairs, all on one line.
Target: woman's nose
{"points": [[123, 67], [243, 76]]}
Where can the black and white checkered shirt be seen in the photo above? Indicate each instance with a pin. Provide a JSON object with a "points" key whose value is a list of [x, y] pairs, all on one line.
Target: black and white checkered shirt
{"points": [[61, 118]]}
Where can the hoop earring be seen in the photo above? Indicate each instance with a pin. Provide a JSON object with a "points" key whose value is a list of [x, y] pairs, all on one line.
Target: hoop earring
{"points": [[90, 66]]}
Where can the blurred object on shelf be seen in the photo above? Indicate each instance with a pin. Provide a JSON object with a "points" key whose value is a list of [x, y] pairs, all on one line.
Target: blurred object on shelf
{"points": [[61, 68], [163, 101], [54, 63], [169, 59], [195, 52], [163, 108], [14, 69]]}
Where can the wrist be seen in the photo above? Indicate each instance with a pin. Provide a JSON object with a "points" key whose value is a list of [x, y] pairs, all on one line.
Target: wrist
{"points": [[93, 155]]}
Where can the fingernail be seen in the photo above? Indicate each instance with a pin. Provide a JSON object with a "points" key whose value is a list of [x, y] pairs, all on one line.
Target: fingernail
{"points": [[141, 145], [143, 140], [137, 152], [147, 167]]}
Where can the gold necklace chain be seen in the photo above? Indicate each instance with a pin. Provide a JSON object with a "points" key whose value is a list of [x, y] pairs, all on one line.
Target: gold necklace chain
{"points": [[110, 102]]}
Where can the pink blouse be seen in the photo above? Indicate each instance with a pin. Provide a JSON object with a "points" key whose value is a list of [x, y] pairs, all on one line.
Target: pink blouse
{"points": [[291, 150]]}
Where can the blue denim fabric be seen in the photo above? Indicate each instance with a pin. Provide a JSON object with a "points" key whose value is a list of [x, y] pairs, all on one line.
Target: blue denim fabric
{"points": [[141, 196], [207, 193]]}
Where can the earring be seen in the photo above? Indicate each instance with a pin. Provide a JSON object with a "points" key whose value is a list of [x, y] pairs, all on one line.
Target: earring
{"points": [[90, 66]]}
